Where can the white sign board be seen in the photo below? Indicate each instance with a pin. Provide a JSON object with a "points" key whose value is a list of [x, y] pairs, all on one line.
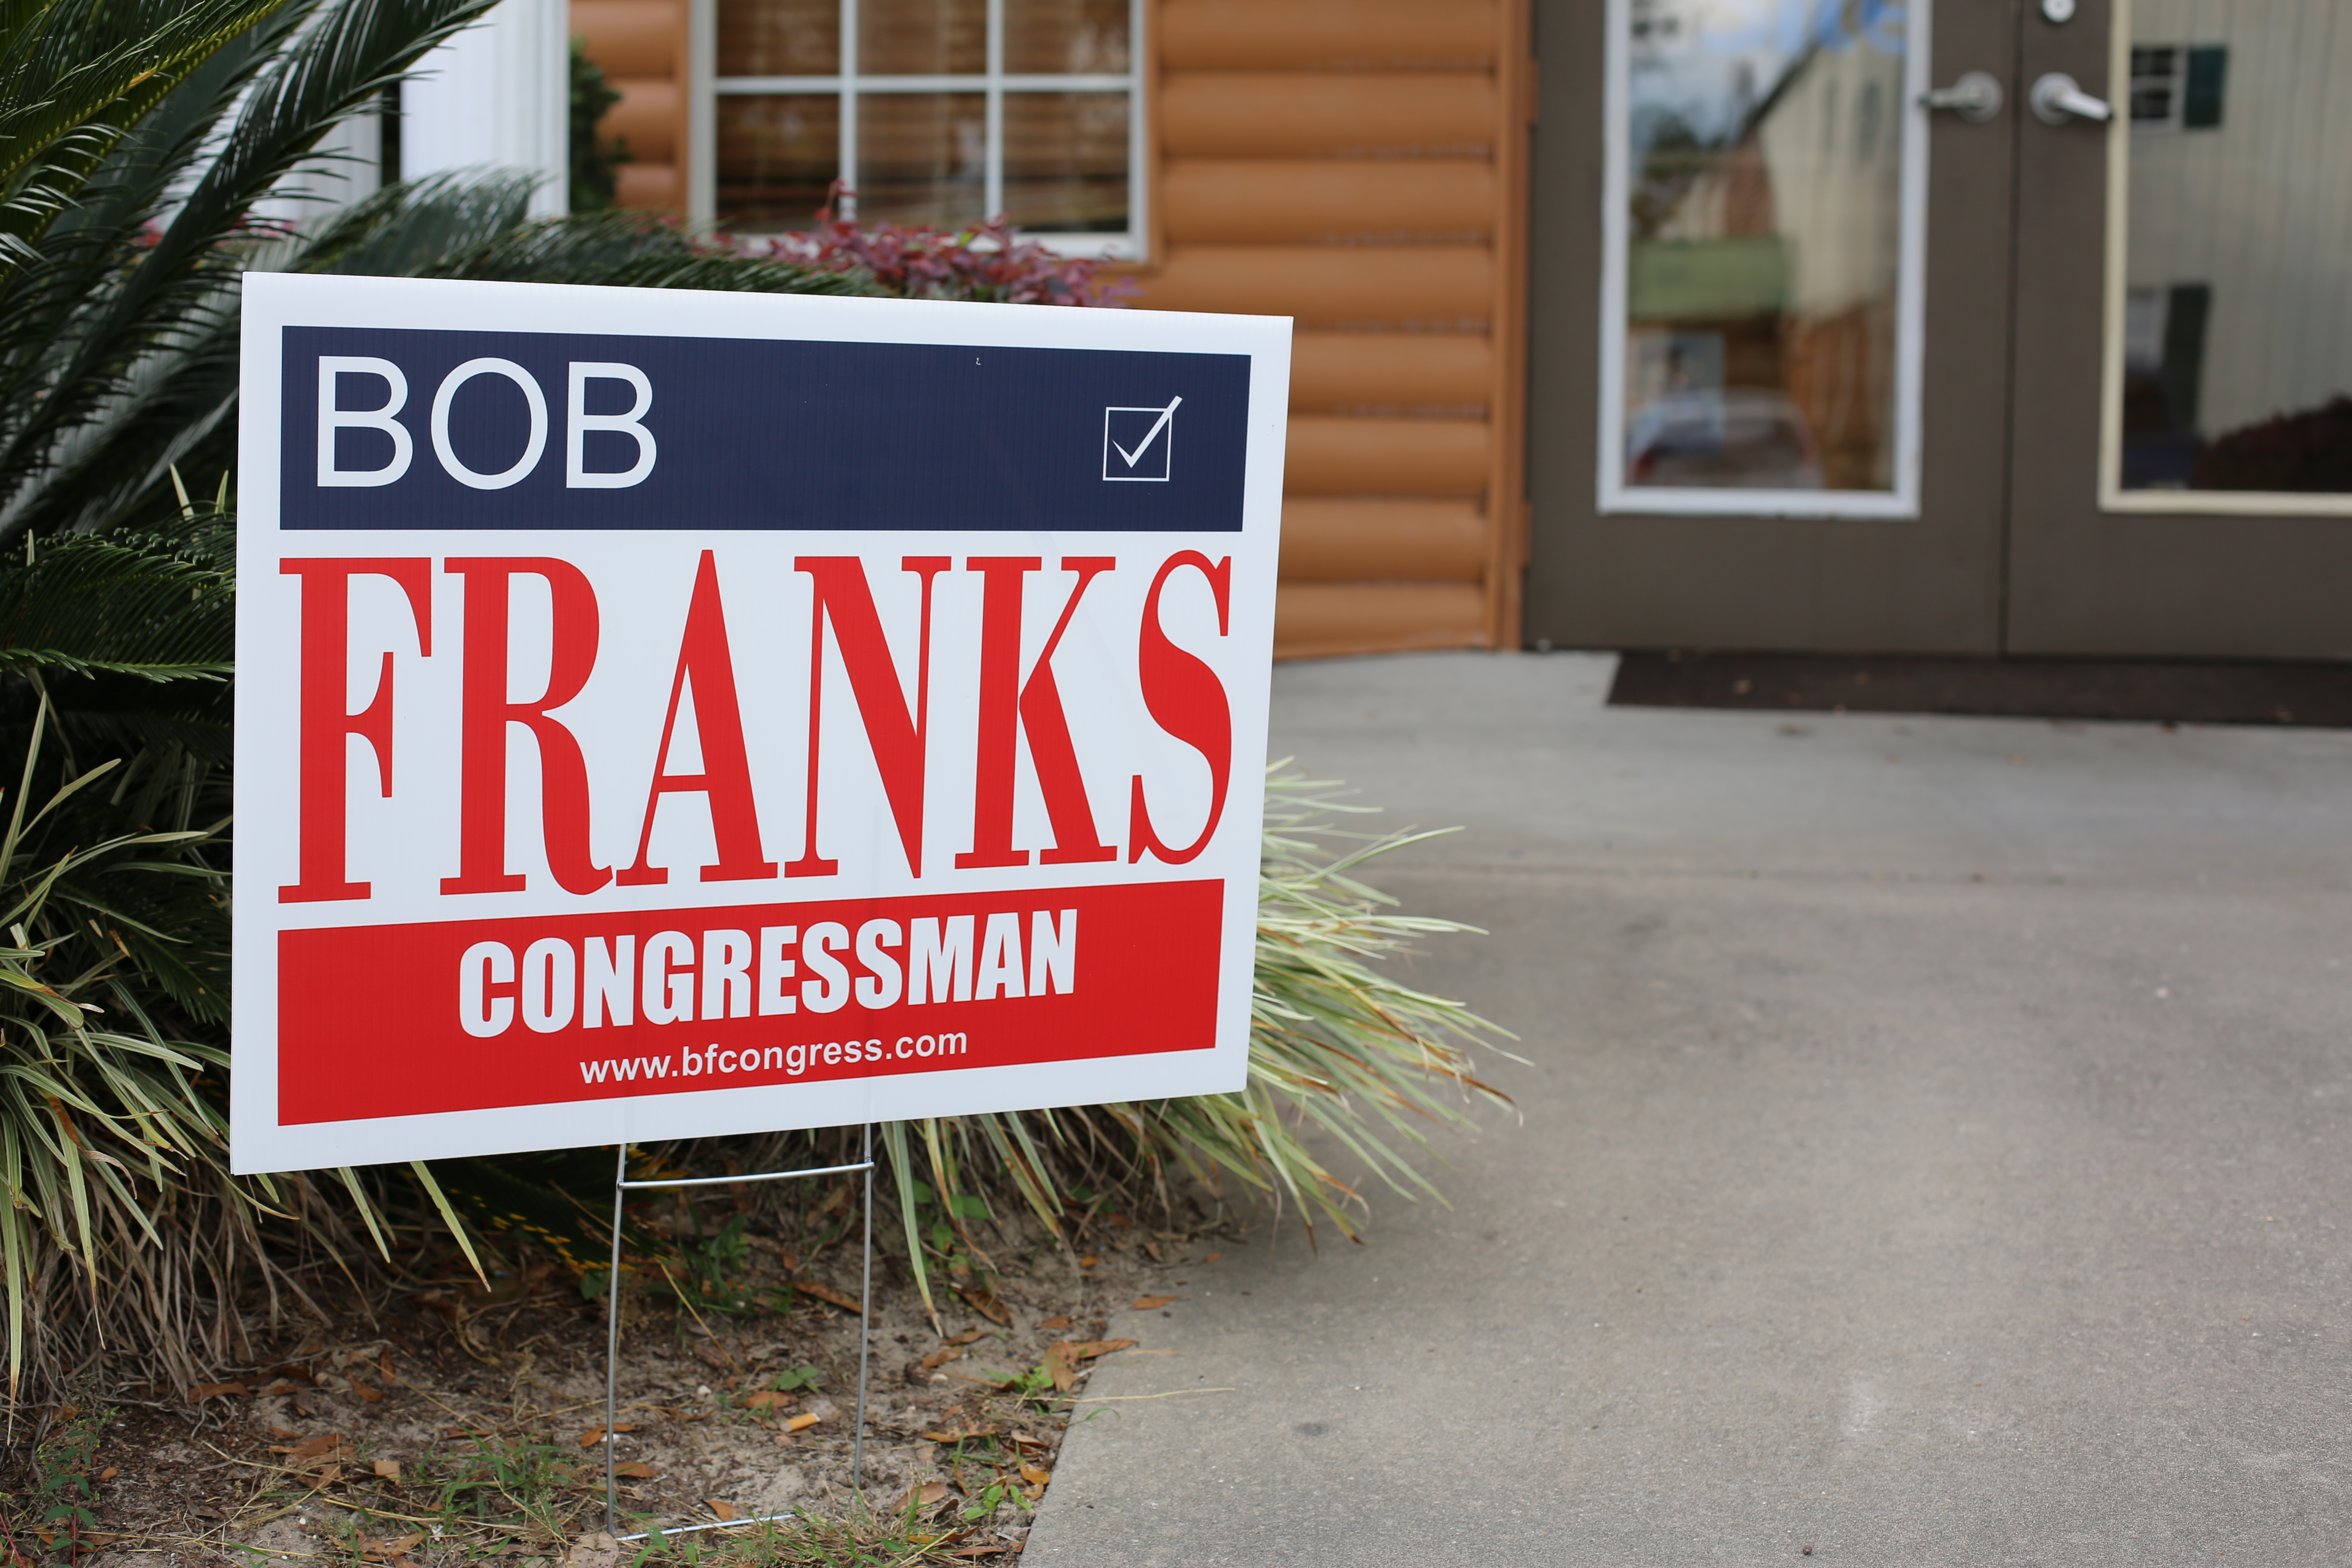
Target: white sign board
{"points": [[663, 714]]}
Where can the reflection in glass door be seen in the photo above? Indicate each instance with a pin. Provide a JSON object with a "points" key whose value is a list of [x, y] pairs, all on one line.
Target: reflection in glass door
{"points": [[2229, 335], [1765, 210]]}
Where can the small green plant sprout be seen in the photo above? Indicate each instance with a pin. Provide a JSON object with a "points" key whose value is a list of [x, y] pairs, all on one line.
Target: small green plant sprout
{"points": [[995, 1492], [1036, 1386], [792, 1382]]}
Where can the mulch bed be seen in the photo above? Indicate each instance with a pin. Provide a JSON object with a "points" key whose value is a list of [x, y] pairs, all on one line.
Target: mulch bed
{"points": [[444, 1422]]}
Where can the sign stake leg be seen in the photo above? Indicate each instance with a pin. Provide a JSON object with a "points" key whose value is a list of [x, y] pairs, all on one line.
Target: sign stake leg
{"points": [[613, 1330], [864, 1319], [622, 1187]]}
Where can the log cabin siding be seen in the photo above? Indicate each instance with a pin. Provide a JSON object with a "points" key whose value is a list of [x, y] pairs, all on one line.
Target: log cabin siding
{"points": [[1360, 165], [641, 47]]}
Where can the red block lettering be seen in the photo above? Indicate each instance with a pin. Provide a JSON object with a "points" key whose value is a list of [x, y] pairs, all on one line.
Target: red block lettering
{"points": [[1186, 700], [725, 782], [1008, 706], [323, 711], [486, 714], [844, 597]]}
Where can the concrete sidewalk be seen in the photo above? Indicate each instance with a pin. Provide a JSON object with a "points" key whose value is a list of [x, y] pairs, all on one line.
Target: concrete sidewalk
{"points": [[1935, 1152]]}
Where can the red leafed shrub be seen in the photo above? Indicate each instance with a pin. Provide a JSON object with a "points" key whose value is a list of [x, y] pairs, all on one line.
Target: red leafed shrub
{"points": [[989, 262]]}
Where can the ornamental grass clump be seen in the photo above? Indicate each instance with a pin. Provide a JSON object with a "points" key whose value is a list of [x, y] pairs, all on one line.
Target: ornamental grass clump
{"points": [[1338, 1048]]}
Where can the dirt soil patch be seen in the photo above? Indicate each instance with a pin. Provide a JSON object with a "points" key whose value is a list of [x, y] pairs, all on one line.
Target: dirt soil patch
{"points": [[443, 1422]]}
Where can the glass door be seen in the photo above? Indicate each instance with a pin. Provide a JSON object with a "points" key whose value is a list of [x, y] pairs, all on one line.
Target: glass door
{"points": [[1795, 434], [2184, 404], [1765, 214]]}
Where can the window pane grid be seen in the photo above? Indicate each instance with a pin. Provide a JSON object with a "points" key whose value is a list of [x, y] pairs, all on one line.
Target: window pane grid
{"points": [[874, 84], [927, 124]]}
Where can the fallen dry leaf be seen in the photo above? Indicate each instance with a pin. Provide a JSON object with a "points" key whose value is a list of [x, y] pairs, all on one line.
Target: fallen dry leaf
{"points": [[985, 1303], [924, 1497], [328, 1476], [725, 1511], [383, 1366], [1023, 1440], [1087, 1350], [283, 1434], [828, 1295], [371, 1396], [1058, 1321], [635, 1469], [1058, 1367], [1088, 1261], [109, 1473], [1033, 1476], [1213, 1257], [966, 1436], [1146, 1303], [767, 1399], [966, 1337], [941, 1357], [595, 1435], [800, 1423], [205, 1391], [325, 1443], [388, 1469], [390, 1546], [594, 1550]]}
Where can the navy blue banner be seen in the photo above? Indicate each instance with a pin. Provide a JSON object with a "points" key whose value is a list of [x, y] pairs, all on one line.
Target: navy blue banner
{"points": [[430, 429]]}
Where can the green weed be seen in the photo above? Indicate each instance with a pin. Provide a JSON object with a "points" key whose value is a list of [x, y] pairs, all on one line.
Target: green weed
{"points": [[64, 1494], [505, 1482]]}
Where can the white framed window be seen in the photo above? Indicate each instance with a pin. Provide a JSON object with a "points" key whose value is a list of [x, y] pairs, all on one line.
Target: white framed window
{"points": [[1764, 220], [2158, 82], [933, 111]]}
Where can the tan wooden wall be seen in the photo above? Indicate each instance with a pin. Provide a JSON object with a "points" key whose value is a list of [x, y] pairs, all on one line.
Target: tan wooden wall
{"points": [[642, 47], [1360, 165]]}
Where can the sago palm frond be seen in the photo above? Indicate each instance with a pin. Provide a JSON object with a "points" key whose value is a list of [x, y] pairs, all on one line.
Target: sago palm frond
{"points": [[120, 356], [75, 78]]}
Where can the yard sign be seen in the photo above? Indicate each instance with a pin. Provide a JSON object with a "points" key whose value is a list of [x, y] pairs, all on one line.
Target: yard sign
{"points": [[662, 714]]}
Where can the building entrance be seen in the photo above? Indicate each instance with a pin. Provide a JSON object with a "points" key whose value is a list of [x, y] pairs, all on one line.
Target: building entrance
{"points": [[1866, 325]]}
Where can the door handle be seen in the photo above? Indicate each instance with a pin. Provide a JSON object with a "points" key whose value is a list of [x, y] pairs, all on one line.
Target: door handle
{"points": [[1975, 97], [2057, 98]]}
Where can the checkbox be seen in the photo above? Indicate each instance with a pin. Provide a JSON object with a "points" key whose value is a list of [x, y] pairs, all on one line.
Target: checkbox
{"points": [[1139, 444]]}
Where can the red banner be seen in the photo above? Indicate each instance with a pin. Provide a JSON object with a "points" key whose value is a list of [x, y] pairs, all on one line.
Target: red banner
{"points": [[401, 1020]]}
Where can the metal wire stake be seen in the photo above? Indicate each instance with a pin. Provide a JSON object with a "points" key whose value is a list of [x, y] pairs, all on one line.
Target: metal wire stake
{"points": [[613, 1327], [622, 1187], [864, 1319]]}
